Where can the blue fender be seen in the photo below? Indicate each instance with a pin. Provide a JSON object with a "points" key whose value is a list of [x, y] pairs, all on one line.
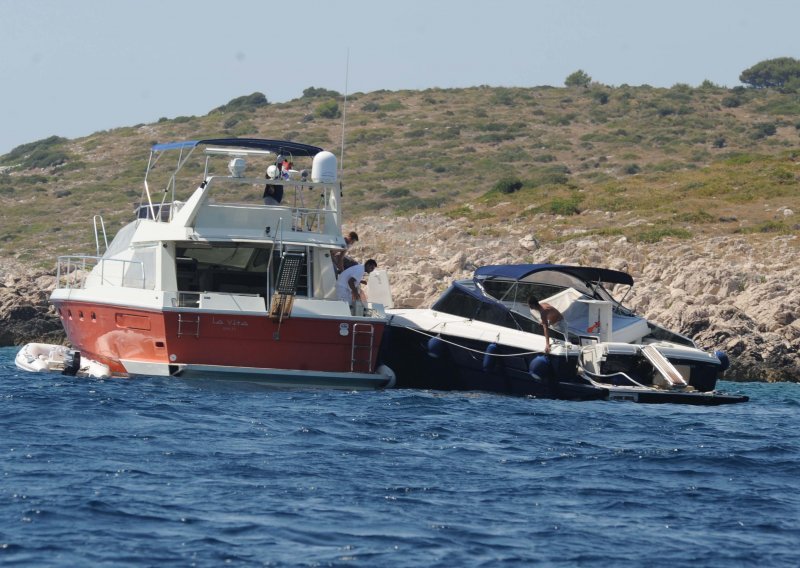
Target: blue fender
{"points": [[436, 347], [489, 361], [723, 359], [540, 367]]}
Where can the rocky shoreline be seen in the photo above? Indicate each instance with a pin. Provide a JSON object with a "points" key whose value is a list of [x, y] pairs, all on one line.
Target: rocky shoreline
{"points": [[734, 293]]}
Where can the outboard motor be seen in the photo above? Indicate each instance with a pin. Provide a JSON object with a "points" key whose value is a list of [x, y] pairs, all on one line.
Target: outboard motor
{"points": [[72, 363]]}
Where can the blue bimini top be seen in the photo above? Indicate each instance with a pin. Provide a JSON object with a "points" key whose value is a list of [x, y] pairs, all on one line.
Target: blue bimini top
{"points": [[585, 273]]}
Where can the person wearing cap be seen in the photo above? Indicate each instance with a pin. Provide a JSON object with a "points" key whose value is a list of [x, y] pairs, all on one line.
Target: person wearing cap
{"points": [[273, 193]]}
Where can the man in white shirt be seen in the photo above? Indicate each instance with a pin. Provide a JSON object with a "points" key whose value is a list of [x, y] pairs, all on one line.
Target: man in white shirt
{"points": [[347, 287]]}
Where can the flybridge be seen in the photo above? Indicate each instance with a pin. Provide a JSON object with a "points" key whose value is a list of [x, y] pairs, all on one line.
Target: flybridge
{"points": [[274, 160]]}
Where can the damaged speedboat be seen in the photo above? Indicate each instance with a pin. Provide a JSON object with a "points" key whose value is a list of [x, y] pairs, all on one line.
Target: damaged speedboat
{"points": [[481, 335]]}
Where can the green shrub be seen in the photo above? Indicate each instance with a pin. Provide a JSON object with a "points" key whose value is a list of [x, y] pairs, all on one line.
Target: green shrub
{"points": [[245, 103], [600, 97], [392, 106], [550, 175], [40, 154], [766, 227], [695, 217], [413, 203], [578, 78], [763, 130], [507, 185], [495, 137], [503, 96], [771, 72], [448, 133], [789, 105], [564, 205], [232, 121], [398, 192], [319, 93], [328, 109], [369, 135]]}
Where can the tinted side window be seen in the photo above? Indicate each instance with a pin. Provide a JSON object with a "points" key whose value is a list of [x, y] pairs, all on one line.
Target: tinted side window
{"points": [[458, 303]]}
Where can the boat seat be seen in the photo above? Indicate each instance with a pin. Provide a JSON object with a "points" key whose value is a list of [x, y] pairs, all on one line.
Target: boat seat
{"points": [[624, 329]]}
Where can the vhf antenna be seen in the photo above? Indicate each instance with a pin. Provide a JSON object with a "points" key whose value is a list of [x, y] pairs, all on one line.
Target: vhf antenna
{"points": [[344, 112]]}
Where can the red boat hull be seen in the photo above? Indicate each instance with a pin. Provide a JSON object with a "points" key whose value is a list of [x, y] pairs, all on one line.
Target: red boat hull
{"points": [[113, 334]]}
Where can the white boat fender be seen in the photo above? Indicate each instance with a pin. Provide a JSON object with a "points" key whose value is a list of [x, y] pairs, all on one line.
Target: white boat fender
{"points": [[391, 378], [436, 347], [725, 362], [489, 359], [97, 370]]}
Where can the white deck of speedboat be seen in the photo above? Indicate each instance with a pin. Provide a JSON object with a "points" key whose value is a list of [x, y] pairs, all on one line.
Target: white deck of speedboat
{"points": [[431, 323]]}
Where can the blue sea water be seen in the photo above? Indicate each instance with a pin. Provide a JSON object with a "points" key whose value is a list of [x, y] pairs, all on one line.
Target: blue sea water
{"points": [[166, 472]]}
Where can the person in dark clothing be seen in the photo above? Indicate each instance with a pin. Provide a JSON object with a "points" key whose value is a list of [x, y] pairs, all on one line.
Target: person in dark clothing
{"points": [[273, 193]]}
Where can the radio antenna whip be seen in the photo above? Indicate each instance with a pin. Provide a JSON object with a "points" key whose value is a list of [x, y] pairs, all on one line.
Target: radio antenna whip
{"points": [[344, 112]]}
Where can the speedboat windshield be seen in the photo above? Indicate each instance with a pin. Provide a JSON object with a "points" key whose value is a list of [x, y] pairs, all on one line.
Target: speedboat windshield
{"points": [[513, 284]]}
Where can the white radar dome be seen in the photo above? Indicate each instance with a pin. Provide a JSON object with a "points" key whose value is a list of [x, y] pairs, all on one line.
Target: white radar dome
{"points": [[323, 168]]}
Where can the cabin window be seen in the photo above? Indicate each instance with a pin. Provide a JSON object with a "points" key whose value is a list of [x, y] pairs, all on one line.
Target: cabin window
{"points": [[236, 269]]}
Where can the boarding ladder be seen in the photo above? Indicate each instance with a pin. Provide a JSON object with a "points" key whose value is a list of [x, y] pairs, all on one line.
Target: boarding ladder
{"points": [[189, 325], [361, 348], [663, 366], [286, 285]]}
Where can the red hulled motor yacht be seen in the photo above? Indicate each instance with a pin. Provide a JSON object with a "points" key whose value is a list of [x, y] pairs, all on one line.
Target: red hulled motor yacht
{"points": [[213, 288]]}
